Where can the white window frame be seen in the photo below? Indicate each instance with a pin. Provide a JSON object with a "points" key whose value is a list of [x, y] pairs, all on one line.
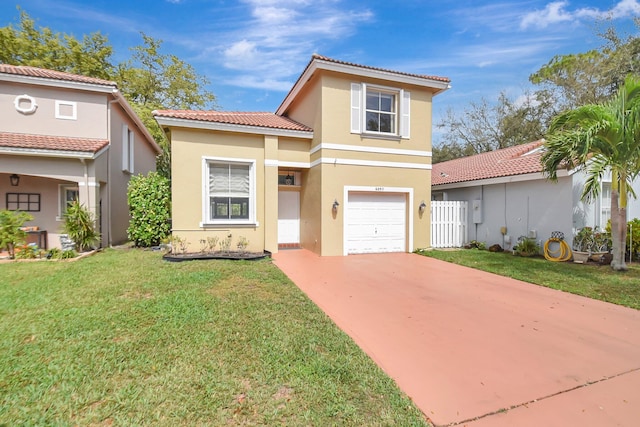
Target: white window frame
{"points": [[402, 119], [207, 219], [74, 110], [62, 198], [604, 205], [128, 149]]}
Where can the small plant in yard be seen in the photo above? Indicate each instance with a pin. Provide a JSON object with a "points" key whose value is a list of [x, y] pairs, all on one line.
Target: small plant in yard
{"points": [[527, 247], [80, 226], [11, 234], [474, 244], [591, 240], [29, 251], [212, 243], [242, 244], [179, 245], [225, 244]]}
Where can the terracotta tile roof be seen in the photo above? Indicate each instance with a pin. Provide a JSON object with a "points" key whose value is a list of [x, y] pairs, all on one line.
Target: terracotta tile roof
{"points": [[258, 119], [47, 142], [23, 70], [517, 160], [422, 76]]}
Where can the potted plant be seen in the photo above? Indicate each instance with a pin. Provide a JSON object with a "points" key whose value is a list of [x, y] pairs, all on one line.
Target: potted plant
{"points": [[590, 243]]}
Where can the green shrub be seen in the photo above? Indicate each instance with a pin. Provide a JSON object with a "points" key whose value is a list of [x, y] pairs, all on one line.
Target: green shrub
{"points": [[149, 200], [527, 247], [633, 238], [80, 226], [475, 244], [10, 233]]}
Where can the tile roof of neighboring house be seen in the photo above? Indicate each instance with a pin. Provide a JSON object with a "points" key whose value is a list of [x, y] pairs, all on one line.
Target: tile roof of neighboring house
{"points": [[23, 70], [54, 143], [422, 76], [516, 160], [258, 119]]}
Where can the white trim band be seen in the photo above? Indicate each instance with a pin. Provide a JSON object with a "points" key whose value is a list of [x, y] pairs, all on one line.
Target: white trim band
{"points": [[367, 149], [357, 162]]}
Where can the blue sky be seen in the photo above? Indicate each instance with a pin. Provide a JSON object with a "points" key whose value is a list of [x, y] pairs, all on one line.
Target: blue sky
{"points": [[253, 50]]}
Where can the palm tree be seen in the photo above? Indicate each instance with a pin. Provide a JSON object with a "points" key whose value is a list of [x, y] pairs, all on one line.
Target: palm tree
{"points": [[598, 138]]}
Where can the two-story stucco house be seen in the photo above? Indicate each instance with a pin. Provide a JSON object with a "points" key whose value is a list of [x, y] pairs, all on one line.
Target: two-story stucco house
{"points": [[342, 167], [65, 137]]}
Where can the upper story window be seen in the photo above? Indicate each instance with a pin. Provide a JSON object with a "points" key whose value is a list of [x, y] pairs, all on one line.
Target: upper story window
{"points": [[381, 111], [127, 149], [230, 191]]}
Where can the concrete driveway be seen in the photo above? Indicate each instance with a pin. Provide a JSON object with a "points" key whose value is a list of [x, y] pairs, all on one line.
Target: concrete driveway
{"points": [[475, 349]]}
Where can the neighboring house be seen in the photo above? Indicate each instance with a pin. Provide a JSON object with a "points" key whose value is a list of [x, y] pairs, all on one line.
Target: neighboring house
{"points": [[342, 167], [66, 137], [506, 188]]}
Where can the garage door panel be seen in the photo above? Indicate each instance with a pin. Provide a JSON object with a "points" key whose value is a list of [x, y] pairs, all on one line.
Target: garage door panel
{"points": [[376, 223]]}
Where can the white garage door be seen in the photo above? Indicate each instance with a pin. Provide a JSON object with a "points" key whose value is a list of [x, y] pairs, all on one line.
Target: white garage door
{"points": [[376, 222]]}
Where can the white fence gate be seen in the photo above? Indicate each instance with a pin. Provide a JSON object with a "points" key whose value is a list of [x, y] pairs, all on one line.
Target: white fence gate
{"points": [[448, 224]]}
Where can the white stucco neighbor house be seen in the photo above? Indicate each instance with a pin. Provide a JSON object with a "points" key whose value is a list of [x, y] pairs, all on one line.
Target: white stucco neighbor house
{"points": [[65, 137], [506, 188]]}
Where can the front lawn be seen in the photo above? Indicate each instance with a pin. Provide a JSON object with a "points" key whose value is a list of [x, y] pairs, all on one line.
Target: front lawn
{"points": [[590, 280], [125, 338]]}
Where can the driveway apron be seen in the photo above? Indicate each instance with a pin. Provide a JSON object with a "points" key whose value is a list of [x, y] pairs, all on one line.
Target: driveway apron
{"points": [[476, 349]]}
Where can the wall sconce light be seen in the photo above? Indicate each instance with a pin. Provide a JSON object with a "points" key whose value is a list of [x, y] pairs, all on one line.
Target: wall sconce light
{"points": [[422, 207], [334, 208], [14, 179], [288, 180]]}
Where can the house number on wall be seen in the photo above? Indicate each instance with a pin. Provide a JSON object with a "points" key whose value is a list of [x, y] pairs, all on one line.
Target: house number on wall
{"points": [[379, 188]]}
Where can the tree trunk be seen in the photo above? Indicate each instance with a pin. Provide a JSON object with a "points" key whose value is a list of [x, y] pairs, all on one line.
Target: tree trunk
{"points": [[618, 232]]}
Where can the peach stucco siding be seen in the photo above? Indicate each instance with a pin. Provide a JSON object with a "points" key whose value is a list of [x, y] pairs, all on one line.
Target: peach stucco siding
{"points": [[332, 162]]}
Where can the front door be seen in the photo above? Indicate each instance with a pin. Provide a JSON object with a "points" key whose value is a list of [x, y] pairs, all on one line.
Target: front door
{"points": [[288, 217]]}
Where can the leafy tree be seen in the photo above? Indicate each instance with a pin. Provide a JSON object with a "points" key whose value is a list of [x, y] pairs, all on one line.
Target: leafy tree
{"points": [[152, 80], [149, 200], [598, 138], [484, 127], [27, 44]]}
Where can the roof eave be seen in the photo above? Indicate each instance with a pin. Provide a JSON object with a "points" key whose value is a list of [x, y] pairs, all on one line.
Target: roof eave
{"points": [[38, 152], [229, 127], [321, 64], [45, 81], [497, 180]]}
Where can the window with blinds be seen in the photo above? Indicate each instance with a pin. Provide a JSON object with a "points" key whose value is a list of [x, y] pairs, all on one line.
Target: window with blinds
{"points": [[229, 191]]}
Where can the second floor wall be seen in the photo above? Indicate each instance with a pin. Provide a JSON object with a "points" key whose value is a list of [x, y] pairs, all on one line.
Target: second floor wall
{"points": [[52, 111]]}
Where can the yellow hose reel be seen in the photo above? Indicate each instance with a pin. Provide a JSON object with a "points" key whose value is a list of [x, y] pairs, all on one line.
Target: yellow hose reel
{"points": [[563, 253]]}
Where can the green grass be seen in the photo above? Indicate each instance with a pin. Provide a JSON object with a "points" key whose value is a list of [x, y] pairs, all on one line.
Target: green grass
{"points": [[590, 280], [125, 338]]}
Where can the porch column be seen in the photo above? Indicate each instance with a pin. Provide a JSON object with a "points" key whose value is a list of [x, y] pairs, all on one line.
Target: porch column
{"points": [[271, 193]]}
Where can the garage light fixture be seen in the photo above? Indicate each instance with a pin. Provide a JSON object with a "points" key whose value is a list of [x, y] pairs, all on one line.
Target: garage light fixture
{"points": [[14, 179], [422, 207], [334, 208]]}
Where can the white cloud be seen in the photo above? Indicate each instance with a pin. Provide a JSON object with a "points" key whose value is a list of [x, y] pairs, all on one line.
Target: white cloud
{"points": [[279, 36], [557, 13]]}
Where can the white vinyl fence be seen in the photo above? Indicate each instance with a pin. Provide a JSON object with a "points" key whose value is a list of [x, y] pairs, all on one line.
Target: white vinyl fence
{"points": [[448, 224]]}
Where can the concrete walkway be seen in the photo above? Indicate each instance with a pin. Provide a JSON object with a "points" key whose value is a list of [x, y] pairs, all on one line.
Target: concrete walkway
{"points": [[476, 349]]}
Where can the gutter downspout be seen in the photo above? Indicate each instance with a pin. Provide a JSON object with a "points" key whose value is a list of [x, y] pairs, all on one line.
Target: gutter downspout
{"points": [[109, 183]]}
